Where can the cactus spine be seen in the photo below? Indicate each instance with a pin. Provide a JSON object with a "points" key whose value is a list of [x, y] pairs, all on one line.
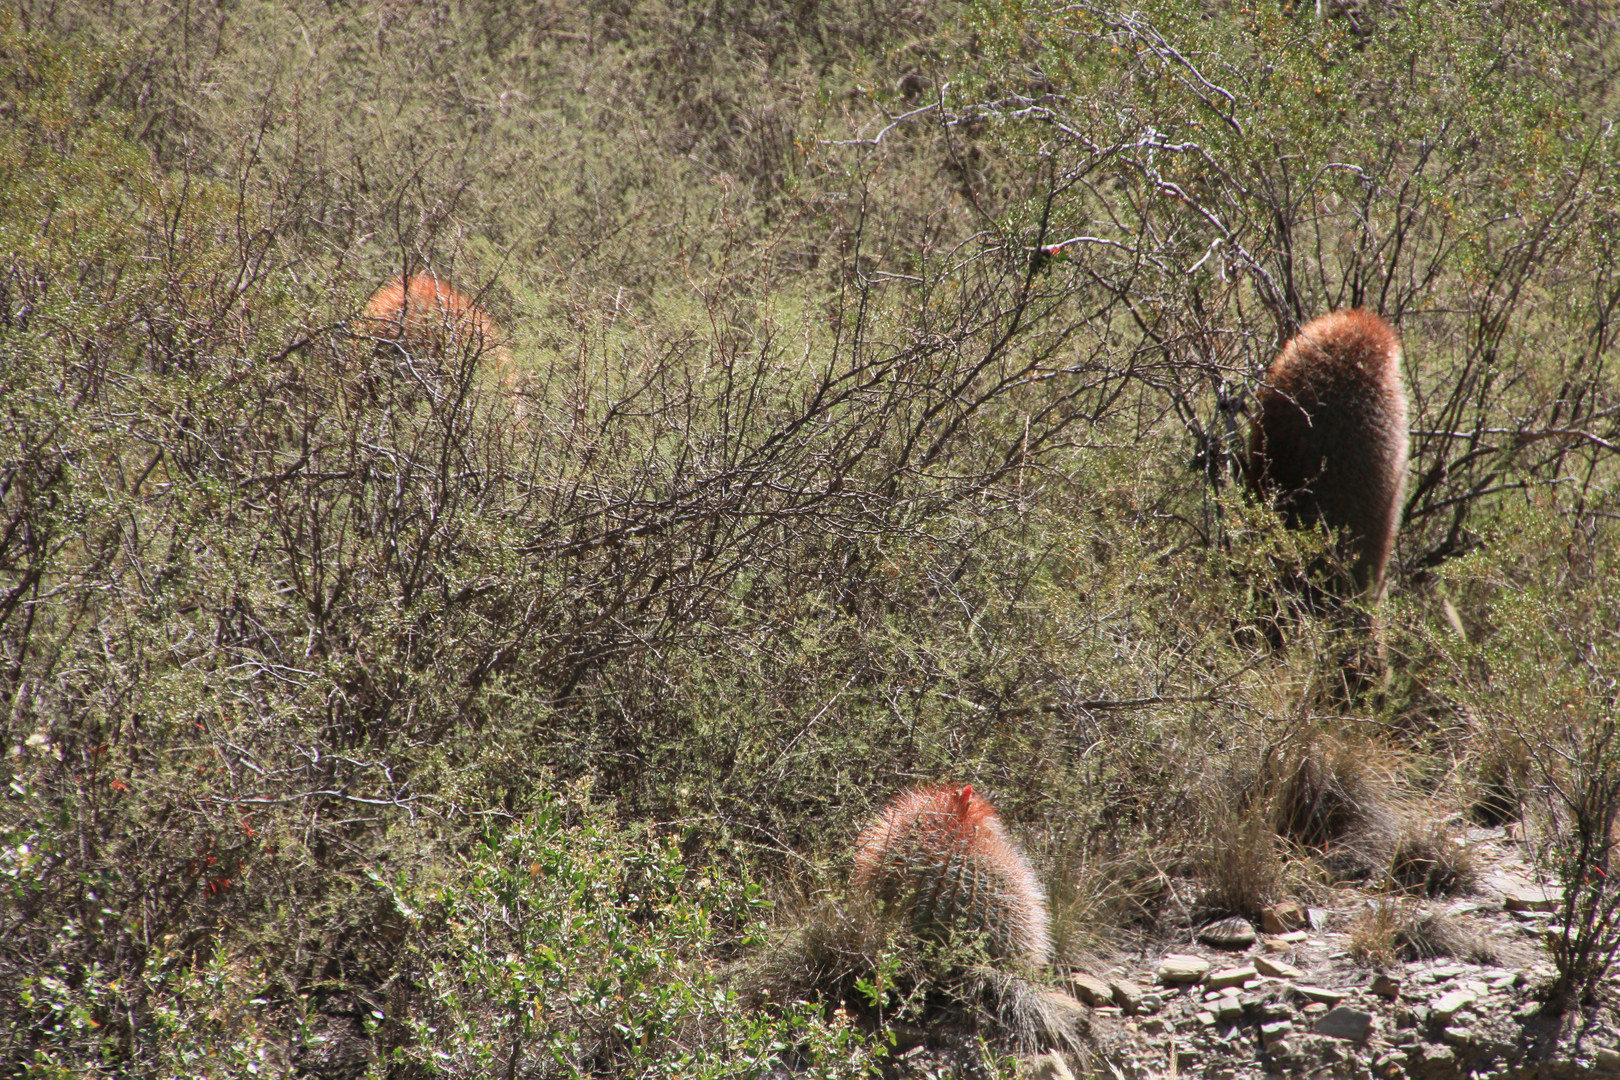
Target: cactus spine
{"points": [[1330, 440], [939, 859]]}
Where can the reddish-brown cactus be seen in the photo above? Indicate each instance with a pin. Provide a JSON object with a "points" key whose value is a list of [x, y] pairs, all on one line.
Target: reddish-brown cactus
{"points": [[939, 859], [1329, 441], [428, 317]]}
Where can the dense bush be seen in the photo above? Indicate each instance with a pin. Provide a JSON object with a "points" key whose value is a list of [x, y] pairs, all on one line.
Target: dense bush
{"points": [[825, 479]]}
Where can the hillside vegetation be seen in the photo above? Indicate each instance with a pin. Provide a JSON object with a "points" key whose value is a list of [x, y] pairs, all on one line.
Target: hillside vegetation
{"points": [[883, 370]]}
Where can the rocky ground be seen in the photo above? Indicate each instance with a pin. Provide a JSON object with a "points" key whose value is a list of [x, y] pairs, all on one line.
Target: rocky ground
{"points": [[1231, 1000]]}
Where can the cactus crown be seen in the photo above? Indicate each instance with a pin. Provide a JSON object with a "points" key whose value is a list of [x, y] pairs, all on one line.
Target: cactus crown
{"points": [[939, 860]]}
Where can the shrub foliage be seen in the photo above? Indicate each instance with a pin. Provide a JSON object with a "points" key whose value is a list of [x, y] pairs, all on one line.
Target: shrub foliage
{"points": [[861, 352]]}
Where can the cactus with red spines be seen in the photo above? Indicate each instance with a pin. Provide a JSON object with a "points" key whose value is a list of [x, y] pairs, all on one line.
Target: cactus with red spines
{"points": [[939, 859], [426, 314], [429, 318]]}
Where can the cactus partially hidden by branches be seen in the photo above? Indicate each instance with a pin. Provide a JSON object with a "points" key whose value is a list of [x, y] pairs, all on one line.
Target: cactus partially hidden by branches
{"points": [[939, 860], [1330, 440], [425, 317]]}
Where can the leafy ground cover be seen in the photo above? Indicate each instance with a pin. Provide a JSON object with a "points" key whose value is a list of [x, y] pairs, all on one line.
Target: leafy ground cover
{"points": [[883, 370]]}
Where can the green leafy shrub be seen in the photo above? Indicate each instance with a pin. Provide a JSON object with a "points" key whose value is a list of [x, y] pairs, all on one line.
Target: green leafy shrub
{"points": [[558, 950]]}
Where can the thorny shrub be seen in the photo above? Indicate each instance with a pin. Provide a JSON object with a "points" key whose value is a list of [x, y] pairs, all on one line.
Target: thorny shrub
{"points": [[1547, 699], [824, 480]]}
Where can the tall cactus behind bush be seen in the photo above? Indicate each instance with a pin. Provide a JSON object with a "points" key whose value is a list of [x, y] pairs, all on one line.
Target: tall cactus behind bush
{"points": [[939, 859], [1330, 439]]}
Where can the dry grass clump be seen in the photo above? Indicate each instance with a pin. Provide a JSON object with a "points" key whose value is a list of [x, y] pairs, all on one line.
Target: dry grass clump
{"points": [[1500, 777], [1429, 860], [820, 954], [1299, 813], [1392, 931], [1243, 870], [1321, 796], [1094, 899], [1032, 1016], [851, 956], [1373, 936], [1329, 808], [1331, 796]]}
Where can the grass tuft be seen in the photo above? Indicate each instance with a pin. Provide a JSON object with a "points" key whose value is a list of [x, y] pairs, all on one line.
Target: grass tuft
{"points": [[1393, 931]]}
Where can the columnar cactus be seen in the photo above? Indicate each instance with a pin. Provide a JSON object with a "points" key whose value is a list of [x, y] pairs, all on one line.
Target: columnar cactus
{"points": [[938, 859], [1329, 442]]}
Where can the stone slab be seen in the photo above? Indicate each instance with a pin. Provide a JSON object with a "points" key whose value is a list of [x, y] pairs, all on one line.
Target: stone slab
{"points": [[1180, 968], [1345, 1023]]}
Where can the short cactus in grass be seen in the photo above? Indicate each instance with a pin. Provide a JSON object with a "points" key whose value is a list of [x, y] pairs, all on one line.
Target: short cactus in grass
{"points": [[938, 859]]}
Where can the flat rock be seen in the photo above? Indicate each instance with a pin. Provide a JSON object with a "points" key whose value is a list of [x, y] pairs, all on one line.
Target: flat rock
{"points": [[1276, 969], [1529, 898], [1448, 1005], [1502, 882], [1090, 989], [1181, 968], [1233, 933], [1268, 1010], [1606, 1059], [1282, 918], [1319, 993], [1274, 1032], [1236, 976], [1127, 995], [1345, 1023], [1437, 1059]]}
